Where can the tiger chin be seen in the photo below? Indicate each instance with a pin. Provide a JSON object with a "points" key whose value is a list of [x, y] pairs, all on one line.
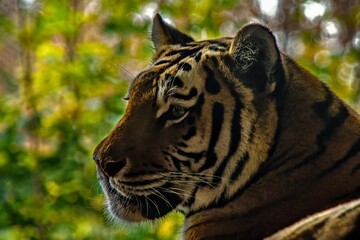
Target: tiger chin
{"points": [[238, 137]]}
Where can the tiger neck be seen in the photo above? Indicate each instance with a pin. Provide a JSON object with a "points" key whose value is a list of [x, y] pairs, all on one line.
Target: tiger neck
{"points": [[315, 164]]}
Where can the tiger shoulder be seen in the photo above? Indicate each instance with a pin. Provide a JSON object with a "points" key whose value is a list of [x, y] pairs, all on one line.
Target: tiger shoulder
{"points": [[238, 137]]}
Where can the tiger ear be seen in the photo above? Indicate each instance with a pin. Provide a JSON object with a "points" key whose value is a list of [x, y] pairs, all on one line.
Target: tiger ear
{"points": [[164, 34], [255, 52]]}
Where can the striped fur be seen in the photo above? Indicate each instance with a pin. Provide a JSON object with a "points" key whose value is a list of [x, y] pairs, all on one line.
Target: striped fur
{"points": [[340, 222], [236, 136]]}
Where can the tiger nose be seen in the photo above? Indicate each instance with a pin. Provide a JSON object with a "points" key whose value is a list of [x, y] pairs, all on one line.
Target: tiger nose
{"points": [[107, 165]]}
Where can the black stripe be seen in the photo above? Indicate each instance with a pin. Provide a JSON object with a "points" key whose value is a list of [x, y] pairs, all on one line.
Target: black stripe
{"points": [[205, 43], [173, 159], [186, 164], [235, 132], [219, 43], [192, 155], [176, 81], [198, 56], [160, 53], [192, 94], [176, 162], [191, 132], [355, 149], [283, 158], [278, 94], [167, 158], [211, 85], [198, 106], [332, 124], [217, 121], [156, 83], [279, 106], [191, 200], [158, 166], [216, 49], [182, 144], [186, 67], [161, 62], [174, 61], [239, 167], [224, 199], [184, 51], [322, 108], [253, 211]]}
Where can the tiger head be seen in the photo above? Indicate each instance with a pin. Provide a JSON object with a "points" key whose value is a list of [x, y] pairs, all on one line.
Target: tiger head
{"points": [[198, 124]]}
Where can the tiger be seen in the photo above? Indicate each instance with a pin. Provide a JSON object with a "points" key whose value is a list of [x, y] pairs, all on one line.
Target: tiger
{"points": [[239, 138]]}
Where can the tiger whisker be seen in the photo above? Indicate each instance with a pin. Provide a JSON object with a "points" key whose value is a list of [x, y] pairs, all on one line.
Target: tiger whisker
{"points": [[138, 204], [159, 194], [201, 175], [182, 192], [126, 74], [177, 191], [194, 178], [143, 193], [154, 203], [195, 182]]}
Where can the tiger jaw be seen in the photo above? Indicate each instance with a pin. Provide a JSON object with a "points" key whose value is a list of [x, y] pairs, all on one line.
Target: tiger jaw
{"points": [[116, 202], [134, 207]]}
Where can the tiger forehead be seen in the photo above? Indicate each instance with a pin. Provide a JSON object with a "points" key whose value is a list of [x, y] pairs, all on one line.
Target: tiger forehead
{"points": [[174, 78], [180, 68], [143, 84], [171, 63], [172, 53]]}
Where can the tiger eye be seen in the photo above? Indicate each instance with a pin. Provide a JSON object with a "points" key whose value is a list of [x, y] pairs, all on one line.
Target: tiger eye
{"points": [[177, 111]]}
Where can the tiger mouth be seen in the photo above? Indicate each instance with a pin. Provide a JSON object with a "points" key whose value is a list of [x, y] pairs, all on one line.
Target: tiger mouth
{"points": [[135, 207]]}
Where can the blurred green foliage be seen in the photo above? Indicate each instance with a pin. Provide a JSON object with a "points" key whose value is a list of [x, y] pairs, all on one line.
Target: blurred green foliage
{"points": [[66, 64]]}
